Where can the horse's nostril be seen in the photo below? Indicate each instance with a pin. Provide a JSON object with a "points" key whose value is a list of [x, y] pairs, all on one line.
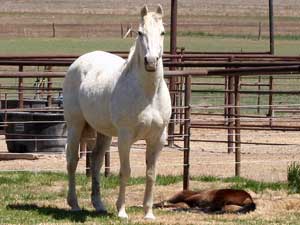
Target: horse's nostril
{"points": [[146, 61]]}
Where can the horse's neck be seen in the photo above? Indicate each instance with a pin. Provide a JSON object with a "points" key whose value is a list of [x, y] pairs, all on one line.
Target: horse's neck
{"points": [[149, 81]]}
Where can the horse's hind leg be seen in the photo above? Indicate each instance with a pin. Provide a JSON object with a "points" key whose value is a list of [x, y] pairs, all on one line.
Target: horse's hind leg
{"points": [[74, 135], [102, 145]]}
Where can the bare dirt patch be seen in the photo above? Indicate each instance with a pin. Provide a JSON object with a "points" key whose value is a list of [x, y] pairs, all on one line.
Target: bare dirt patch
{"points": [[259, 162]]}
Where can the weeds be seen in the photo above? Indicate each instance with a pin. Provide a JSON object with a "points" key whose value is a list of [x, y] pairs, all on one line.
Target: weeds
{"points": [[293, 177]]}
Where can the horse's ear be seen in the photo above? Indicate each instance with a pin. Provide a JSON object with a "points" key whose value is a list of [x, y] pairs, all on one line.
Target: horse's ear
{"points": [[160, 10], [144, 11]]}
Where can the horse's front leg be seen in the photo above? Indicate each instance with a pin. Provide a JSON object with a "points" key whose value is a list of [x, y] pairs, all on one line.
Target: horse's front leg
{"points": [[124, 143], [102, 145], [152, 153]]}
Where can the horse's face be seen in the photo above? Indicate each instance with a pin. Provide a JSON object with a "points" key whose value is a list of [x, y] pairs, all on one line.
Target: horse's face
{"points": [[151, 37]]}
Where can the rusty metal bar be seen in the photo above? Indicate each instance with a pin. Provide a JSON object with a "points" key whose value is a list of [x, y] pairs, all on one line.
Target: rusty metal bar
{"points": [[237, 125], [277, 70], [173, 38], [228, 64], [271, 27], [239, 56], [87, 161], [271, 92], [185, 63], [49, 94], [187, 123], [230, 111], [226, 98], [173, 48], [107, 164], [246, 127], [20, 89]]}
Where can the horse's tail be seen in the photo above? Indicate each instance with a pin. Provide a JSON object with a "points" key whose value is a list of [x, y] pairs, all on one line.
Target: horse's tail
{"points": [[246, 208]]}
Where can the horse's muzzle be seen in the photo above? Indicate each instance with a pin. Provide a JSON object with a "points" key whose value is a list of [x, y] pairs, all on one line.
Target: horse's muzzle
{"points": [[150, 63]]}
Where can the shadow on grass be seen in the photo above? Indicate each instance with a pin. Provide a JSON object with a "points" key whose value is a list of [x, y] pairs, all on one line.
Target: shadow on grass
{"points": [[59, 214]]}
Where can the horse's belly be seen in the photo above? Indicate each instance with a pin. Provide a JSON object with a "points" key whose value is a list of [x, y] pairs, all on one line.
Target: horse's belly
{"points": [[95, 106]]}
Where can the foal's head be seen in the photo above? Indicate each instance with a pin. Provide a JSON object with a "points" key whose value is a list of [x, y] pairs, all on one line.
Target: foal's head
{"points": [[151, 37]]}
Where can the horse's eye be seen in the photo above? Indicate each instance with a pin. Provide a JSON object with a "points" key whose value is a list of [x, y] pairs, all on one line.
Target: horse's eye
{"points": [[140, 33], [162, 33]]}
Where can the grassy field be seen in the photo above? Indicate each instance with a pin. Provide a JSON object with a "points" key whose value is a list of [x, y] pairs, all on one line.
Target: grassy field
{"points": [[30, 198], [193, 43]]}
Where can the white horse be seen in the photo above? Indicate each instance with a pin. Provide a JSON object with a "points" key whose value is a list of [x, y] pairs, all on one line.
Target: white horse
{"points": [[108, 96]]}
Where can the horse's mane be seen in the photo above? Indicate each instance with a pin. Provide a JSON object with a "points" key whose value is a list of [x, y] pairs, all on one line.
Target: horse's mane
{"points": [[129, 60]]}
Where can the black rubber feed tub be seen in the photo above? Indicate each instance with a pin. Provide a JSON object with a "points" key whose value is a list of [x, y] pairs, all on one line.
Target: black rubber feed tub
{"points": [[35, 132]]}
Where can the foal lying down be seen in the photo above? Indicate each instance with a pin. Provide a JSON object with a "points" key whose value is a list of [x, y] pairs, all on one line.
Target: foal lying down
{"points": [[211, 201]]}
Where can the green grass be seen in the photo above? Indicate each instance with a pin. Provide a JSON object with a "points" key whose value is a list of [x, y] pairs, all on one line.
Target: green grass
{"points": [[26, 198], [191, 43], [294, 177], [61, 45], [243, 183], [38, 198]]}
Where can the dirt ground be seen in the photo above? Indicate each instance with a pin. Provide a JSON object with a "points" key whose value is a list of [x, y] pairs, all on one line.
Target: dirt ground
{"points": [[259, 162]]}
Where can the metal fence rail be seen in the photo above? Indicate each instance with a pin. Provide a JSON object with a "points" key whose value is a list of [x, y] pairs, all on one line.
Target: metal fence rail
{"points": [[238, 77]]}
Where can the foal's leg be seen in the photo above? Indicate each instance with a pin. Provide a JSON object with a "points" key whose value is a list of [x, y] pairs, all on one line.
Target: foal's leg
{"points": [[74, 135], [152, 153], [102, 145], [124, 143]]}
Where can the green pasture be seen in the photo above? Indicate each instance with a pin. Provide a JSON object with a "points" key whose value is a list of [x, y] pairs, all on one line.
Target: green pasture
{"points": [[39, 198], [13, 46]]}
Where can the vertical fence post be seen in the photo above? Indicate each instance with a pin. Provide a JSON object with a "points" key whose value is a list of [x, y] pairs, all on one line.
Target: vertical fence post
{"points": [[230, 130], [270, 113], [259, 30], [87, 161], [271, 27], [172, 85], [258, 95], [187, 127], [49, 90], [237, 126], [53, 30], [226, 97], [122, 31], [107, 164], [21, 89]]}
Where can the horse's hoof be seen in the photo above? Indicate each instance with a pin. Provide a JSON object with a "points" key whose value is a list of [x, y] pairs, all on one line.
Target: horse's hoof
{"points": [[149, 216], [122, 215], [102, 211]]}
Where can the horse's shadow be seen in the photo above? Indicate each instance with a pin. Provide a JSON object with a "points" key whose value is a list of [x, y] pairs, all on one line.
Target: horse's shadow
{"points": [[57, 213]]}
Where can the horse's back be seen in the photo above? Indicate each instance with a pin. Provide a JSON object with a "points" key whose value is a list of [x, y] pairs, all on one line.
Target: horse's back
{"points": [[88, 75]]}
